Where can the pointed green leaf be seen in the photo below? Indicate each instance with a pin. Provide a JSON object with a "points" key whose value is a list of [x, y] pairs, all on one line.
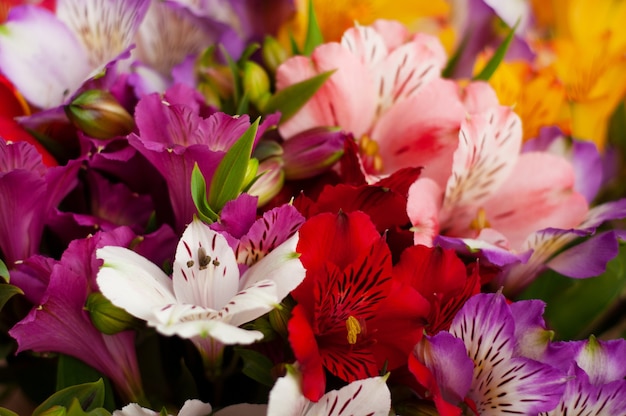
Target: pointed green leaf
{"points": [[198, 194], [454, 60], [72, 371], [89, 395], [295, 49], [243, 105], [231, 172], [289, 100], [4, 271], [76, 410], [6, 292], [7, 412], [234, 69], [247, 53], [497, 57], [314, 35], [256, 366]]}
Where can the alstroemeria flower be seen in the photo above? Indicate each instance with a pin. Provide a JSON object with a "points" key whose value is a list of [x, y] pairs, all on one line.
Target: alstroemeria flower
{"points": [[73, 44], [352, 317], [31, 193], [192, 407], [387, 91], [369, 396], [206, 298], [177, 130], [486, 367]]}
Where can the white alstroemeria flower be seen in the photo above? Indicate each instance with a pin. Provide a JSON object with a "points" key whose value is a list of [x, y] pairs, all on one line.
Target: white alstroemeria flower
{"points": [[192, 407], [206, 296], [369, 396]]}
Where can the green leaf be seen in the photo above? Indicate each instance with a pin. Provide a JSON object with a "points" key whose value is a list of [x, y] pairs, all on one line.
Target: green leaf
{"points": [[289, 100], [7, 412], [72, 371], [256, 366], [234, 69], [295, 49], [314, 35], [4, 271], [89, 395], [198, 194], [231, 172], [7, 291], [454, 60], [247, 53], [497, 57], [575, 307], [76, 410], [243, 105]]}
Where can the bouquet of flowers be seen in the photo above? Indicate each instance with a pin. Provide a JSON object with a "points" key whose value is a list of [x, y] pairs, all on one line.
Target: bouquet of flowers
{"points": [[312, 208]]}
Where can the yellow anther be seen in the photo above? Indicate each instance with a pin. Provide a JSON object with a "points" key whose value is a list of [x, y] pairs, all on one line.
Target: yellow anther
{"points": [[354, 329], [480, 221]]}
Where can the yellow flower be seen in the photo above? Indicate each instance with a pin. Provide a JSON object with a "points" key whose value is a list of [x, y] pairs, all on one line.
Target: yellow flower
{"points": [[335, 16], [536, 95]]}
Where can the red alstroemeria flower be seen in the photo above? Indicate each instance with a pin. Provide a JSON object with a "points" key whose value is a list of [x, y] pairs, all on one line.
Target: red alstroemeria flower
{"points": [[442, 278], [353, 317]]}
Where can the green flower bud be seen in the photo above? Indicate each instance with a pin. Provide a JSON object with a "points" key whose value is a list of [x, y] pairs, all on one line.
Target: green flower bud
{"points": [[279, 317], [271, 181], [273, 53], [99, 115], [106, 317], [256, 83]]}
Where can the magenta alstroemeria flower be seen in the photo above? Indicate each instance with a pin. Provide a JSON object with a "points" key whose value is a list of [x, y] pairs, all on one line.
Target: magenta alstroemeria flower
{"points": [[175, 132], [73, 45], [500, 377], [31, 193], [60, 323]]}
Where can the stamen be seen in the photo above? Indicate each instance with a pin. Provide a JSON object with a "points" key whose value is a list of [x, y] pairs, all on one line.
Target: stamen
{"points": [[480, 222], [354, 329]]}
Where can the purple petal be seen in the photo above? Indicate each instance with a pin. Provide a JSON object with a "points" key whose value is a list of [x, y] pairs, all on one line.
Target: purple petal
{"points": [[237, 216], [475, 248], [32, 276], [104, 28], [587, 259], [584, 156], [446, 358], [608, 211], [34, 38], [267, 233], [603, 361], [530, 328]]}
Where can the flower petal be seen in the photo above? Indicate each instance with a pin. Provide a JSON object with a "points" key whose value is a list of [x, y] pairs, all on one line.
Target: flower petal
{"points": [[205, 270], [133, 283]]}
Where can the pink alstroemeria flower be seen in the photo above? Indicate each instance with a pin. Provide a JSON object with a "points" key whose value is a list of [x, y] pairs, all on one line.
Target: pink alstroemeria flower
{"points": [[387, 91]]}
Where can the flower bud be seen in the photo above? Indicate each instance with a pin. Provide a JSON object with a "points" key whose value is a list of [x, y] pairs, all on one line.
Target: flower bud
{"points": [[273, 53], [251, 171], [312, 152], [256, 83], [270, 182], [106, 317], [99, 115], [279, 317]]}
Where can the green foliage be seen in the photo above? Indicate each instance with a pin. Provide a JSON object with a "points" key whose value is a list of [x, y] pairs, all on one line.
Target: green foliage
{"points": [[290, 99], [229, 176], [256, 366], [7, 291], [497, 57], [90, 396], [198, 194], [576, 308], [314, 36]]}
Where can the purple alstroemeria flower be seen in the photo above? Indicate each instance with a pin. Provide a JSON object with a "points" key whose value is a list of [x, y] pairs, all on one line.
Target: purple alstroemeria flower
{"points": [[499, 377], [73, 45], [59, 321], [175, 132], [173, 33], [30, 193], [596, 371]]}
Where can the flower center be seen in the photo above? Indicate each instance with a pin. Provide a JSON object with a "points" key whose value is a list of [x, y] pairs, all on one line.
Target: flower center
{"points": [[354, 329], [480, 221], [369, 150]]}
